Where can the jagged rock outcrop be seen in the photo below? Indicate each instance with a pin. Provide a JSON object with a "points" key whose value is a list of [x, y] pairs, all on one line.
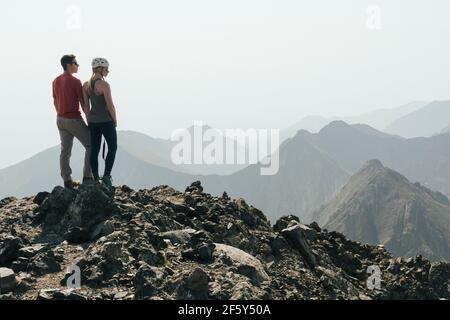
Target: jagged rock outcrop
{"points": [[166, 244]]}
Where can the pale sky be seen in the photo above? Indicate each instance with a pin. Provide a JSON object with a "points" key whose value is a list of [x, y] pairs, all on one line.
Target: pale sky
{"points": [[230, 64]]}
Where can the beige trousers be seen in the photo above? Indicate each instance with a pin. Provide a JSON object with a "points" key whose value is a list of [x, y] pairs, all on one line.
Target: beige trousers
{"points": [[68, 129]]}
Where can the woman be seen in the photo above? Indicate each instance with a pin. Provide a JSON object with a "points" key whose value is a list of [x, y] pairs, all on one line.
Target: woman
{"points": [[102, 119]]}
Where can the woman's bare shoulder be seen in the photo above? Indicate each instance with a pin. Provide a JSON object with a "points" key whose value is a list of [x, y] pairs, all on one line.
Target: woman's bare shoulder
{"points": [[103, 84]]}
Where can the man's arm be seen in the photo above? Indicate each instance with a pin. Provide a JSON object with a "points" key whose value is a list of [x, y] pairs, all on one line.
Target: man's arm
{"points": [[109, 102], [56, 106], [54, 97]]}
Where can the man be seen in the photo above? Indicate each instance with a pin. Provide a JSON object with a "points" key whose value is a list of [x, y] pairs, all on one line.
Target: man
{"points": [[67, 97]]}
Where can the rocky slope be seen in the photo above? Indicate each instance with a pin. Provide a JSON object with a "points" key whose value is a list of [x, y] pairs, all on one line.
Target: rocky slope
{"points": [[166, 244], [380, 206]]}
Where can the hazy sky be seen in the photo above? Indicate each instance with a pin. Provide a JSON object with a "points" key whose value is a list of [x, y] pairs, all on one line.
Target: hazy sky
{"points": [[230, 64]]}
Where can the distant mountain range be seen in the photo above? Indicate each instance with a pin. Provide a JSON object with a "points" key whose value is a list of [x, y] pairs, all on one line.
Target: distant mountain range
{"points": [[313, 167], [380, 206], [423, 122], [446, 129], [416, 119], [378, 119], [157, 151]]}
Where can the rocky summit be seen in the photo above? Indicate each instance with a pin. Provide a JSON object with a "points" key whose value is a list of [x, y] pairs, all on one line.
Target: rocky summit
{"points": [[160, 243]]}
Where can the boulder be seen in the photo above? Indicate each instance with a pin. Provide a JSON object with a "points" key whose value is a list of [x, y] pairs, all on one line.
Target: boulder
{"points": [[9, 250], [197, 283], [247, 264], [40, 197], [195, 186], [8, 280], [297, 235], [57, 203], [91, 206]]}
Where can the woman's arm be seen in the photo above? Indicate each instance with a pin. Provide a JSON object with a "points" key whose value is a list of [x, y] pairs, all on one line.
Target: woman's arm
{"points": [[109, 102], [87, 103]]}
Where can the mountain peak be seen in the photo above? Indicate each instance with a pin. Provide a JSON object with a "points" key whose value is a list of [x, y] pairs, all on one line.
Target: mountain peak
{"points": [[374, 163], [336, 124], [380, 206]]}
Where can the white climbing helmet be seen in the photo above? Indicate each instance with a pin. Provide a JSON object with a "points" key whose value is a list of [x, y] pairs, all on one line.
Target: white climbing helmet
{"points": [[100, 62]]}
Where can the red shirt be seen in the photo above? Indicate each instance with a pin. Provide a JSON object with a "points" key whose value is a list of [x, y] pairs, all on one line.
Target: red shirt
{"points": [[68, 92]]}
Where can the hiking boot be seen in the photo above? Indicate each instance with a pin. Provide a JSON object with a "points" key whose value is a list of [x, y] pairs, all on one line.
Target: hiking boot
{"points": [[71, 184], [107, 181]]}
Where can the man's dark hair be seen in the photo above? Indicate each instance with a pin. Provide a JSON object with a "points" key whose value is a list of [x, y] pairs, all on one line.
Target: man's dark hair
{"points": [[67, 59]]}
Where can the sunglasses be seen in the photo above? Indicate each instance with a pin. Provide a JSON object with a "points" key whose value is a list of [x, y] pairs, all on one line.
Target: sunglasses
{"points": [[75, 63]]}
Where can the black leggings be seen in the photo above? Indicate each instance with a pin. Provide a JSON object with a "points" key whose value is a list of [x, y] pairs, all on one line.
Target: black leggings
{"points": [[108, 130]]}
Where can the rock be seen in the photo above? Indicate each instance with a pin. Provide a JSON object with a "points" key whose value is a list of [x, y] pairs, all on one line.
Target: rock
{"points": [[439, 278], [104, 228], [126, 189], [9, 249], [44, 263], [195, 186], [197, 282], [245, 291], [315, 226], [56, 204], [225, 196], [297, 236], [6, 201], [143, 244], [241, 204], [144, 282], [8, 280], [284, 221], [121, 295], [200, 247], [40, 197], [21, 264], [151, 256], [31, 251], [178, 236], [277, 244], [201, 251], [112, 251], [179, 205], [247, 264], [91, 206], [57, 294], [205, 251], [77, 235]]}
